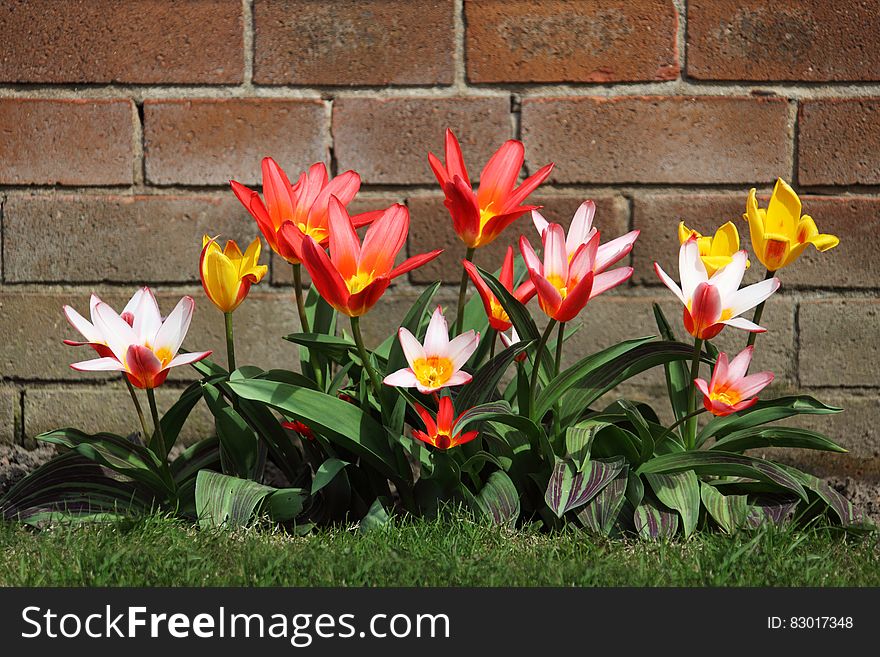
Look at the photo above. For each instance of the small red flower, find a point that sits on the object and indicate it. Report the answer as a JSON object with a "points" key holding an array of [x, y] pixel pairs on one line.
{"points": [[439, 433], [300, 428]]}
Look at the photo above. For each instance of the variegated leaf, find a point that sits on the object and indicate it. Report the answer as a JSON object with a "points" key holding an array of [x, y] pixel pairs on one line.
{"points": [[679, 491], [600, 513], [777, 513], [729, 511], [499, 499], [654, 523], [569, 489]]}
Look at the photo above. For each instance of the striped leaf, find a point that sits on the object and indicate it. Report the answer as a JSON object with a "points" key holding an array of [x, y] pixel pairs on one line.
{"points": [[222, 500], [729, 511], [600, 513], [570, 488], [653, 523], [776, 437], [679, 491], [499, 499], [777, 513], [579, 439], [841, 506], [677, 376]]}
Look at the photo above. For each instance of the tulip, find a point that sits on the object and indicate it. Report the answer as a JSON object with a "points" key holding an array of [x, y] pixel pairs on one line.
{"points": [[730, 390], [581, 231], [145, 349], [510, 340], [566, 282], [710, 304], [226, 274], [498, 318], [780, 234], [478, 218], [439, 433], [436, 364], [290, 213], [354, 276], [300, 428], [716, 251]]}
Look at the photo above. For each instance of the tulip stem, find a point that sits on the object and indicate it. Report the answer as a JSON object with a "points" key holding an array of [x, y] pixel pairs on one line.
{"points": [[365, 357], [230, 342], [692, 398], [137, 407], [493, 336], [556, 367], [300, 303], [462, 291], [533, 388], [759, 310], [686, 418], [158, 437]]}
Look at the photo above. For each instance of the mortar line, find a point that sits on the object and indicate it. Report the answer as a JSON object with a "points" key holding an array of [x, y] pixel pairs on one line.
{"points": [[140, 146], [247, 17], [797, 342], [459, 80], [330, 138], [795, 143], [681, 38], [21, 437], [2, 238]]}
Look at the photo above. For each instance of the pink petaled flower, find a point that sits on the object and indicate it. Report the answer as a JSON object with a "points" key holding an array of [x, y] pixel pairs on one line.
{"points": [[139, 343], [712, 303], [510, 340], [567, 281], [730, 390], [438, 363], [94, 338]]}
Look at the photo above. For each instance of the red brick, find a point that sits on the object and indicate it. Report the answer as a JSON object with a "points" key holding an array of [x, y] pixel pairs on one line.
{"points": [[370, 42], [855, 219], [431, 228], [208, 141], [571, 41], [839, 142], [137, 239], [388, 140], [145, 42], [652, 139], [66, 142], [813, 40], [838, 342]]}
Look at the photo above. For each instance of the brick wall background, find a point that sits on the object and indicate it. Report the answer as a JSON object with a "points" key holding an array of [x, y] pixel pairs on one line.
{"points": [[120, 124]]}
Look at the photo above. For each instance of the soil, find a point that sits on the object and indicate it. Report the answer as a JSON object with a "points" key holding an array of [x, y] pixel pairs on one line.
{"points": [[16, 462]]}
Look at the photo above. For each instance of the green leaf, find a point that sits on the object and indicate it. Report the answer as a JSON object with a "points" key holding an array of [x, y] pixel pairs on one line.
{"points": [[739, 441], [766, 410], [376, 518], [499, 499], [325, 473], [331, 346], [600, 513], [579, 439], [285, 504], [222, 500], [677, 375], [339, 421], [776, 512], [646, 439], [481, 388], [479, 413], [729, 511], [204, 454], [679, 491], [722, 464], [653, 523], [175, 417], [841, 506], [569, 488], [239, 445], [414, 321], [517, 312]]}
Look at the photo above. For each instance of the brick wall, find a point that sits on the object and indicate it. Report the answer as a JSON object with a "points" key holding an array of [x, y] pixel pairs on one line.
{"points": [[120, 124]]}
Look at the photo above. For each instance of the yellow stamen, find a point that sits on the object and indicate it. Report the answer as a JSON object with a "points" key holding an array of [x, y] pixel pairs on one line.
{"points": [[433, 371], [726, 314], [164, 355], [485, 215], [556, 281], [498, 311], [359, 281], [729, 397]]}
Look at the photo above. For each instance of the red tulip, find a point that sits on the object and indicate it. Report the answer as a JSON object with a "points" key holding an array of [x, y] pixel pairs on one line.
{"points": [[498, 319], [730, 390], [478, 218], [354, 276], [292, 212], [439, 433]]}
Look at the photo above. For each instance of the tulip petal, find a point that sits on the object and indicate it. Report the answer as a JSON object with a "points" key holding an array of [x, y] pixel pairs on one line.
{"points": [[454, 160], [445, 415], [345, 247], [752, 384], [81, 324], [548, 296], [459, 379], [277, 192], [671, 284], [414, 262], [744, 324], [117, 333], [579, 232], [142, 364], [749, 297], [486, 295], [541, 224], [186, 359], [496, 224], [739, 365], [325, 277], [609, 279], [529, 185], [691, 268], [575, 300], [437, 335], [412, 348], [555, 254], [727, 279], [614, 251], [705, 309], [702, 386], [720, 375], [174, 329], [505, 277], [725, 241], [425, 414], [533, 263], [460, 348], [366, 218], [499, 176], [462, 206], [384, 239], [783, 210], [106, 364]]}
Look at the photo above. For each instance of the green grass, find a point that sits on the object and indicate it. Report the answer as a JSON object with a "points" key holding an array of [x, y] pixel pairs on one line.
{"points": [[159, 552]]}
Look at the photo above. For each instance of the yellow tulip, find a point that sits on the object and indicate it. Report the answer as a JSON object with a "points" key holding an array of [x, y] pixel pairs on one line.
{"points": [[715, 251], [226, 274], [779, 233]]}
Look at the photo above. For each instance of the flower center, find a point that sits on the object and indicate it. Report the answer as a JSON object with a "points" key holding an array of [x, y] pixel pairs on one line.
{"points": [[433, 371], [317, 233], [359, 281], [443, 441], [486, 214], [557, 281], [729, 397], [497, 311], [164, 355]]}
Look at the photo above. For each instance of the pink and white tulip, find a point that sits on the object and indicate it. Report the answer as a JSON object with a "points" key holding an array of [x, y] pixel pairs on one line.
{"points": [[138, 342], [711, 303], [730, 390], [436, 364], [510, 340], [94, 338], [567, 281], [581, 231]]}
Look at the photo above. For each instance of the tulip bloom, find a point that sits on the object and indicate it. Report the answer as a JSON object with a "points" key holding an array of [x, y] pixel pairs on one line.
{"points": [[712, 303], [565, 283], [730, 390], [292, 212], [438, 363], [439, 433], [581, 231], [780, 234], [94, 337], [145, 349], [716, 251], [300, 428], [510, 340], [354, 276], [478, 218], [498, 318], [226, 274]]}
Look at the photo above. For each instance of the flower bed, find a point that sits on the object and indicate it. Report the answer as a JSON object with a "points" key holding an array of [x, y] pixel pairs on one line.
{"points": [[435, 416]]}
